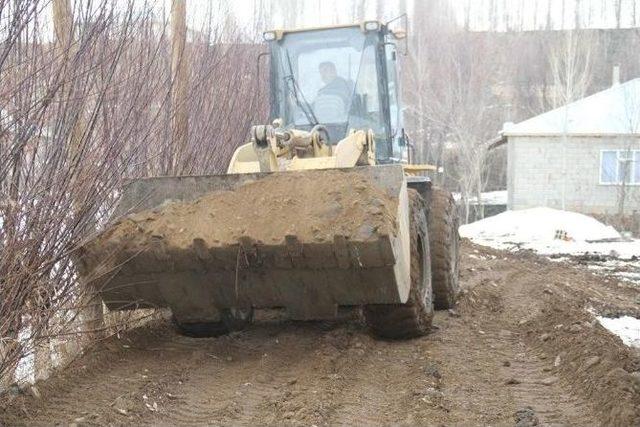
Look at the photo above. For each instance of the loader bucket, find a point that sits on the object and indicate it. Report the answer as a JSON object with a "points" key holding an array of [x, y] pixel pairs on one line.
{"points": [[307, 241]]}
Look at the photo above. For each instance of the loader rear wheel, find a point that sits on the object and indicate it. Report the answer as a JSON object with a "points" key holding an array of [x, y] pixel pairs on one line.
{"points": [[444, 242], [233, 319], [412, 319]]}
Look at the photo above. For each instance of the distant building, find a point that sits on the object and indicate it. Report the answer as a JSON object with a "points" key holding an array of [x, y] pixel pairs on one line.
{"points": [[582, 157]]}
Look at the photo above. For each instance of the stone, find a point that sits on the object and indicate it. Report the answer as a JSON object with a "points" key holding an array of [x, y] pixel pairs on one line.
{"points": [[549, 381], [512, 381], [428, 393], [558, 361], [33, 390], [545, 336], [433, 371], [593, 360], [15, 390], [575, 328], [526, 417], [635, 378]]}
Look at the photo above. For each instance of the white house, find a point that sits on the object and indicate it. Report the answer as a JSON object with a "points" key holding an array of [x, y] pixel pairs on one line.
{"points": [[583, 157]]}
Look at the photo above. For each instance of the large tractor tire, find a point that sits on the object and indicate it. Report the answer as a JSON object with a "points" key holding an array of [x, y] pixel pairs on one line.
{"points": [[230, 320], [444, 243], [412, 319]]}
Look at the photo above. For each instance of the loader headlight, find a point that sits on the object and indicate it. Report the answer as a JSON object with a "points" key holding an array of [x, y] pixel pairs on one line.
{"points": [[371, 26], [269, 36]]}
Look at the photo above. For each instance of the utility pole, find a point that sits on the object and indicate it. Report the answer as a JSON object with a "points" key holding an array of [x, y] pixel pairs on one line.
{"points": [[179, 85], [62, 24]]}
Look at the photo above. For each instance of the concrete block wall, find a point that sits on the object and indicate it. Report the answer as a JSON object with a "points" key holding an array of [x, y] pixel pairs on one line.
{"points": [[535, 173]]}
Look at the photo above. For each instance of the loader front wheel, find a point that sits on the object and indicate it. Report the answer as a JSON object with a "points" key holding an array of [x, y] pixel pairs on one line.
{"points": [[412, 319], [234, 319], [444, 242]]}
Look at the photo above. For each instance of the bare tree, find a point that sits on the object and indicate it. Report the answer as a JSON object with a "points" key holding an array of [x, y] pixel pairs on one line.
{"points": [[59, 170], [79, 116], [570, 63], [628, 157], [431, 30], [451, 104]]}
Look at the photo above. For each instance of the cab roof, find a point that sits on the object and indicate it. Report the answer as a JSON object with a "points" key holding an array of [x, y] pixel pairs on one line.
{"points": [[278, 34]]}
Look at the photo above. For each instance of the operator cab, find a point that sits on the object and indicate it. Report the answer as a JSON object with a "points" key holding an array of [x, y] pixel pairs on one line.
{"points": [[342, 78]]}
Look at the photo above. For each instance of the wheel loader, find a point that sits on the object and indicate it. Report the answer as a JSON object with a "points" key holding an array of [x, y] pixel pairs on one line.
{"points": [[275, 231]]}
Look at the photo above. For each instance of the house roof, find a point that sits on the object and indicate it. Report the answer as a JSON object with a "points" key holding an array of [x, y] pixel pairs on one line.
{"points": [[614, 111]]}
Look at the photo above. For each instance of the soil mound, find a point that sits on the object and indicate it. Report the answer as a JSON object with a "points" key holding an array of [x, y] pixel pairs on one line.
{"points": [[312, 207]]}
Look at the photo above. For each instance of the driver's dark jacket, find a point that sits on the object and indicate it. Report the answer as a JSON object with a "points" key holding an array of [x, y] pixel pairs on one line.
{"points": [[338, 87]]}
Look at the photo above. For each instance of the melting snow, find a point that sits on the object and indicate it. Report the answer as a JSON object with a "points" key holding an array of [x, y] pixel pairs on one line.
{"points": [[551, 232], [626, 327]]}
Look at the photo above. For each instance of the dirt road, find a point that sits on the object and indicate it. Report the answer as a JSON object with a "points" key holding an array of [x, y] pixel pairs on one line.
{"points": [[520, 349]]}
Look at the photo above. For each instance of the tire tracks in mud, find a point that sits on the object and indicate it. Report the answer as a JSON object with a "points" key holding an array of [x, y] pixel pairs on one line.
{"points": [[479, 366], [375, 391], [231, 384], [499, 304]]}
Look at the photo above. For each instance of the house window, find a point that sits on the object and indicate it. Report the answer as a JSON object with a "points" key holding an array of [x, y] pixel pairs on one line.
{"points": [[618, 166]]}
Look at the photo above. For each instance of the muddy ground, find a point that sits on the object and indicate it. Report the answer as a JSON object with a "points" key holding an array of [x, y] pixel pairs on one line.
{"points": [[519, 350]]}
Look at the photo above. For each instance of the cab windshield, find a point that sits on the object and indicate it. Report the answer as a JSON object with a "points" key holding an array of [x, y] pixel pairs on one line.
{"points": [[329, 78]]}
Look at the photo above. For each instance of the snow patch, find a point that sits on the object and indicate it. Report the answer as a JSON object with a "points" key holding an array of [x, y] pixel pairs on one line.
{"points": [[551, 232], [488, 198], [626, 327]]}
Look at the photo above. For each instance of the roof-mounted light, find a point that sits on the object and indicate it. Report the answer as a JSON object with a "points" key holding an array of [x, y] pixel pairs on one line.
{"points": [[372, 26], [269, 36], [399, 34]]}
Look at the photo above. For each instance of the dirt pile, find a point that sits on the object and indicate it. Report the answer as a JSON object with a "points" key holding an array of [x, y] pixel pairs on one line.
{"points": [[310, 207]]}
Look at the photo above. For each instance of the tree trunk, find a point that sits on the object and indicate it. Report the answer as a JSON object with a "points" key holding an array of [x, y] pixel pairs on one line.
{"points": [[622, 195], [180, 86], [480, 203], [10, 350], [42, 359], [92, 313]]}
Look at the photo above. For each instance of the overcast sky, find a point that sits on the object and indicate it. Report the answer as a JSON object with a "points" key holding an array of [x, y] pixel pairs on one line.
{"points": [[531, 13], [526, 14]]}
